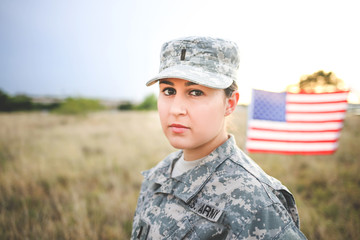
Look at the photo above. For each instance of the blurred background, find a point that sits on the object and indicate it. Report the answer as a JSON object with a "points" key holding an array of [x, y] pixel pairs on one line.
{"points": [[109, 49], [74, 135]]}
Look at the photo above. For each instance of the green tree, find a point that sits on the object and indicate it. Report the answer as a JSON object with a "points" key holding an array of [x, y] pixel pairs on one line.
{"points": [[4, 98], [149, 103], [78, 106], [126, 106], [320, 81], [19, 102]]}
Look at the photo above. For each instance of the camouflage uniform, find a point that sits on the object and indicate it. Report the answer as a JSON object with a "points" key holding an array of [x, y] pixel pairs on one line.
{"points": [[227, 196]]}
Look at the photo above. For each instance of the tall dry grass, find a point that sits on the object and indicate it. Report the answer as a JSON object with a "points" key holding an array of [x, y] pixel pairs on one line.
{"points": [[64, 177], [67, 177]]}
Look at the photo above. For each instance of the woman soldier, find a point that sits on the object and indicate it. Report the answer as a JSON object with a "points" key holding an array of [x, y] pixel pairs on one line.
{"points": [[209, 189]]}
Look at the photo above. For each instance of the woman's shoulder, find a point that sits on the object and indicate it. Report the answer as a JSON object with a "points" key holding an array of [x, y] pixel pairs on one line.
{"points": [[247, 188], [239, 176], [163, 165], [240, 163]]}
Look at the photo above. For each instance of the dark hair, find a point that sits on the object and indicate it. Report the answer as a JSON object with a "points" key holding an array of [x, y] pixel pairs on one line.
{"points": [[229, 91]]}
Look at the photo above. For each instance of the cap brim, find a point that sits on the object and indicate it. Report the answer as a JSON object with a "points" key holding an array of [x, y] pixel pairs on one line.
{"points": [[195, 75]]}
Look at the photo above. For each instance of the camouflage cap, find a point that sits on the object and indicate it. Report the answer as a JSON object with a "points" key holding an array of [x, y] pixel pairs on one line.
{"points": [[210, 62]]}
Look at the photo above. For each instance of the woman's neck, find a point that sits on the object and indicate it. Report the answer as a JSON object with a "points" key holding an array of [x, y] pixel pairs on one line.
{"points": [[205, 149]]}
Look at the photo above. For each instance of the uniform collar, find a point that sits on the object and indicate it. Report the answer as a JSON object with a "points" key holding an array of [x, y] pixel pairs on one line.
{"points": [[187, 185]]}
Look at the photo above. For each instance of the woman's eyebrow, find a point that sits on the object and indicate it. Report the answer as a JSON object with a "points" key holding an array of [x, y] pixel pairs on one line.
{"points": [[166, 82], [187, 84]]}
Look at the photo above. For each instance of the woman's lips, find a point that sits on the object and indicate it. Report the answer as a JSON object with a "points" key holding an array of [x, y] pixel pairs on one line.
{"points": [[178, 128]]}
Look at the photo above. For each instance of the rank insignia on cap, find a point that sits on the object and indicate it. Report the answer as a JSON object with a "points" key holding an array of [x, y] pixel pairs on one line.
{"points": [[183, 52]]}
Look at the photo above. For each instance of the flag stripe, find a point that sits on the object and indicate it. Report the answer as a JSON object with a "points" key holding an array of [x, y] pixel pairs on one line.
{"points": [[294, 141], [302, 131], [292, 152], [309, 124], [293, 136], [314, 117], [309, 102], [317, 97], [339, 111], [318, 121], [292, 146], [286, 126], [324, 107]]}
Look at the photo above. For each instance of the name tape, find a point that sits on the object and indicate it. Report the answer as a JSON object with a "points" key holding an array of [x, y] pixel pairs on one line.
{"points": [[205, 210]]}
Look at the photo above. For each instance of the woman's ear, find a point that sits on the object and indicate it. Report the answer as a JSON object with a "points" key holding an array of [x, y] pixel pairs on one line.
{"points": [[231, 103]]}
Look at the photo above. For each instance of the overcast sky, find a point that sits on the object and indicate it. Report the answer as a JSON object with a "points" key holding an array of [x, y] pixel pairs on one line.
{"points": [[110, 48]]}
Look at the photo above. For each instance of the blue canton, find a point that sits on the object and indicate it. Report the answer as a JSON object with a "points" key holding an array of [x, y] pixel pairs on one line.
{"points": [[269, 106]]}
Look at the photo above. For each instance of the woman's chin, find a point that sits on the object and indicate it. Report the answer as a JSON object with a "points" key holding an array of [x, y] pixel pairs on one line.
{"points": [[178, 143]]}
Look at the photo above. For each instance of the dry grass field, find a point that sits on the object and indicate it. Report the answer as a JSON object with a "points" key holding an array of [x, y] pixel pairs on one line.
{"points": [[71, 177]]}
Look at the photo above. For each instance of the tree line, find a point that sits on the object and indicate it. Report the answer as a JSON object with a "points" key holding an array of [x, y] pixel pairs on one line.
{"points": [[319, 81], [22, 102], [70, 105]]}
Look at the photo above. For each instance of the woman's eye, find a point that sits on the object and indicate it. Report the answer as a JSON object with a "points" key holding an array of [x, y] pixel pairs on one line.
{"points": [[196, 93], [169, 91]]}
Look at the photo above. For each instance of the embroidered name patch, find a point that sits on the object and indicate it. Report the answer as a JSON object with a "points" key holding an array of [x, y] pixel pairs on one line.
{"points": [[205, 210]]}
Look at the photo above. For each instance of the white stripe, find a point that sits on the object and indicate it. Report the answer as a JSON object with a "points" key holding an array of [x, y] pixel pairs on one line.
{"points": [[314, 116], [316, 107], [278, 146], [329, 97], [295, 126], [292, 136]]}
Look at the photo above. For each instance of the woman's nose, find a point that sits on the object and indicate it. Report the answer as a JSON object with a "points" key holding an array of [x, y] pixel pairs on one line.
{"points": [[178, 106]]}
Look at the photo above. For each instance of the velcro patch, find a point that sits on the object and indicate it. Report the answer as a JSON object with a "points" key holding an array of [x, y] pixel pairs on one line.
{"points": [[205, 210]]}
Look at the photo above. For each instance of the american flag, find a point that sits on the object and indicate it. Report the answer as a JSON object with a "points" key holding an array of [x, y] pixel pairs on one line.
{"points": [[295, 123]]}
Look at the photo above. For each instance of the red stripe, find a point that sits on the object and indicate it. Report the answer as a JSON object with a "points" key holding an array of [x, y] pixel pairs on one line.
{"points": [[296, 131], [293, 141], [317, 102], [320, 121], [337, 111], [290, 152], [313, 93]]}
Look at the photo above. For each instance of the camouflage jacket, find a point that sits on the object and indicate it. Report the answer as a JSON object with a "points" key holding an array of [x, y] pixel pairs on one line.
{"points": [[227, 196]]}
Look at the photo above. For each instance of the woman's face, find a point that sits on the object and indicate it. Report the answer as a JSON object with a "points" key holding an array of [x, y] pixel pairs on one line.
{"points": [[192, 116]]}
